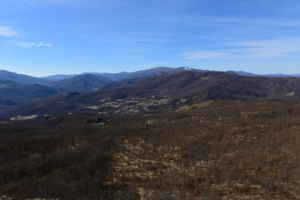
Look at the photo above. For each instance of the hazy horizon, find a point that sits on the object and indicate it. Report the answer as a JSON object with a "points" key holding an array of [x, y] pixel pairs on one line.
{"points": [[149, 68]]}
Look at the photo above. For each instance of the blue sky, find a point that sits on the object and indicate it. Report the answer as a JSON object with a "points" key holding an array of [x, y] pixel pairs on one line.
{"points": [[42, 37]]}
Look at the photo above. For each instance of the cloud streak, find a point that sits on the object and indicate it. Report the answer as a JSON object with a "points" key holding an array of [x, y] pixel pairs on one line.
{"points": [[268, 49], [204, 55], [272, 48], [49, 2], [33, 44], [6, 31]]}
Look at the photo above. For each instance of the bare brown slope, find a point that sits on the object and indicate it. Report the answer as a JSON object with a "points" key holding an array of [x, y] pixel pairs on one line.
{"points": [[223, 150]]}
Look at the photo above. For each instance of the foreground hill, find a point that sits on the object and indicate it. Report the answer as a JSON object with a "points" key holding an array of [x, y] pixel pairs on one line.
{"points": [[208, 150]]}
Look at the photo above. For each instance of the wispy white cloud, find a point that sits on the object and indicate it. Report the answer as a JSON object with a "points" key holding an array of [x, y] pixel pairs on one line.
{"points": [[33, 44], [279, 23], [204, 55], [267, 49], [9, 32], [49, 2], [272, 48], [226, 21], [6, 31]]}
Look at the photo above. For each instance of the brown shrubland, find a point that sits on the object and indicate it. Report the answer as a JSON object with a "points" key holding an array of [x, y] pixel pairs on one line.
{"points": [[220, 150]]}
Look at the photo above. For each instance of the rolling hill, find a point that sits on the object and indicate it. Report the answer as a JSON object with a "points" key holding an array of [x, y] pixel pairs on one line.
{"points": [[58, 77], [82, 83], [209, 85], [12, 93], [21, 78]]}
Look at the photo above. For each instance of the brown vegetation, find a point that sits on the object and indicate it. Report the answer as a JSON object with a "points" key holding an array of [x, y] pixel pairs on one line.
{"points": [[216, 150]]}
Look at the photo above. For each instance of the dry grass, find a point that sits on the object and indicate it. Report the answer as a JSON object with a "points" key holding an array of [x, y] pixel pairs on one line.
{"points": [[223, 150], [240, 151]]}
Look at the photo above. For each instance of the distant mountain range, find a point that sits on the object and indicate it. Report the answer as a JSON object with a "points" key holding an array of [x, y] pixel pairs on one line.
{"points": [[58, 77], [21, 78], [185, 84], [241, 73], [12, 93], [82, 83], [16, 89], [71, 92], [113, 77]]}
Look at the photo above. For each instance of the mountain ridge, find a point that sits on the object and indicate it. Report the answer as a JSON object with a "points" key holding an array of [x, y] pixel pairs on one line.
{"points": [[26, 79], [170, 88], [89, 88]]}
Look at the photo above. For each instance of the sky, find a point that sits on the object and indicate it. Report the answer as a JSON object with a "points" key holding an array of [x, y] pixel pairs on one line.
{"points": [[43, 37]]}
